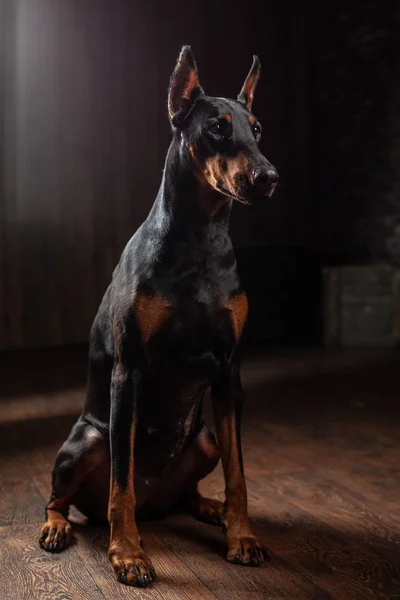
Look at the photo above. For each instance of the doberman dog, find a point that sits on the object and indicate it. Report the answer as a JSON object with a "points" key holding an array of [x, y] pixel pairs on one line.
{"points": [[169, 328]]}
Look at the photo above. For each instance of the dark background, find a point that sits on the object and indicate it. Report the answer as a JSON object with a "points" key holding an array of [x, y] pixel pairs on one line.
{"points": [[83, 137], [84, 133]]}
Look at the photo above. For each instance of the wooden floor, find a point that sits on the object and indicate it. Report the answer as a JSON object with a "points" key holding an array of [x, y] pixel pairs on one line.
{"points": [[322, 458]]}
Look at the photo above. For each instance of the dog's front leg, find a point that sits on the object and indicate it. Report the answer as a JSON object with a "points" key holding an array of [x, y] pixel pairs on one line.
{"points": [[131, 564], [227, 397]]}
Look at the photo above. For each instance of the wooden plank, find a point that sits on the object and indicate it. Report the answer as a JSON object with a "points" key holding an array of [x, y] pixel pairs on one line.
{"points": [[202, 548], [28, 572], [323, 496], [20, 501], [322, 550], [352, 530], [26, 568], [287, 531], [344, 511], [347, 460], [334, 561]]}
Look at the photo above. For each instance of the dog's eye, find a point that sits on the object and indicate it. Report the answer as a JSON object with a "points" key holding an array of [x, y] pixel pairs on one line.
{"points": [[257, 130], [220, 129], [216, 128]]}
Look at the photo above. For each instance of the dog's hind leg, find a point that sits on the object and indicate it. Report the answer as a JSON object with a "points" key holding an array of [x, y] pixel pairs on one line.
{"points": [[83, 452], [203, 457], [203, 509]]}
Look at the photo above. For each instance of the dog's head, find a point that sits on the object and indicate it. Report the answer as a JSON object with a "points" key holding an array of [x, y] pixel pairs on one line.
{"points": [[219, 135]]}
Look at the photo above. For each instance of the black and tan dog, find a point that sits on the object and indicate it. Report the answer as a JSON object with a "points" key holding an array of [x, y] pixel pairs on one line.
{"points": [[168, 328]]}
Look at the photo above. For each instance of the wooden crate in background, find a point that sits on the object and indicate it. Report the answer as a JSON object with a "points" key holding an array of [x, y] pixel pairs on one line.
{"points": [[361, 306]]}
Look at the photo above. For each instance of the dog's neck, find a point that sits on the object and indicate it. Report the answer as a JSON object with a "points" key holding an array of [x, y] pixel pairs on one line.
{"points": [[181, 233], [187, 203]]}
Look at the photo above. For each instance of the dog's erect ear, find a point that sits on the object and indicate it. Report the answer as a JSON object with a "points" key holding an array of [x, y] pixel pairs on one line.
{"points": [[247, 92], [184, 87]]}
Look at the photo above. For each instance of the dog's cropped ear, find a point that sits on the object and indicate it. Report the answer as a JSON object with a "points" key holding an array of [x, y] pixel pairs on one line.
{"points": [[184, 87], [247, 92]]}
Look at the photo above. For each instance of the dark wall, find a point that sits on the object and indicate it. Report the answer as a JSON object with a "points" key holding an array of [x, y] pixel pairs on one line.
{"points": [[85, 132], [356, 106]]}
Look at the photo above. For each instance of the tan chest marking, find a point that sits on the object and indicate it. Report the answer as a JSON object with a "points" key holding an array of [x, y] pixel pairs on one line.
{"points": [[238, 307], [151, 312]]}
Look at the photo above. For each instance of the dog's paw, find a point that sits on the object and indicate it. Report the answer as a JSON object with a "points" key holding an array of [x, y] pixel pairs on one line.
{"points": [[246, 551], [55, 535], [131, 564]]}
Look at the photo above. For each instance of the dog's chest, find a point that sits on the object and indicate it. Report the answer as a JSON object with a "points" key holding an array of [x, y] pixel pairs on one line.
{"points": [[187, 338], [191, 327]]}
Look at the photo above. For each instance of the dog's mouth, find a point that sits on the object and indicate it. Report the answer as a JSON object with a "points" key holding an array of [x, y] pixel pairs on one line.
{"points": [[271, 191], [235, 196], [248, 201]]}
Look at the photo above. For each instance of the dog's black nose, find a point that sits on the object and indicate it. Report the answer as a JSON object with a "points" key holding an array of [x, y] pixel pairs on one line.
{"points": [[264, 179]]}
